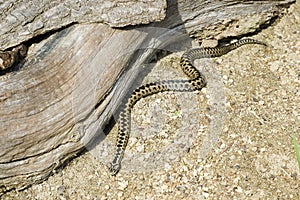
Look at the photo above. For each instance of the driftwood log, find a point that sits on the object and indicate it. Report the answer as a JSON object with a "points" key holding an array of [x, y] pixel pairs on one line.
{"points": [[64, 93]]}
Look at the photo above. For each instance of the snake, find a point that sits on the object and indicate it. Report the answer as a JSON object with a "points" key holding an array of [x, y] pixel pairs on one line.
{"points": [[195, 82]]}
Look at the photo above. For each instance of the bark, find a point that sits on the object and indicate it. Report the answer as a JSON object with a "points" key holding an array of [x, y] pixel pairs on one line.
{"points": [[65, 92], [22, 20]]}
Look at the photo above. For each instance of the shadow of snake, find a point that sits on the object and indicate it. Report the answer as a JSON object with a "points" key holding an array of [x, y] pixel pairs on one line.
{"points": [[196, 82]]}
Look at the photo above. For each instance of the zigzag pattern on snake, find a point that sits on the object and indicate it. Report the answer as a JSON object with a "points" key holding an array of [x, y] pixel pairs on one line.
{"points": [[197, 82]]}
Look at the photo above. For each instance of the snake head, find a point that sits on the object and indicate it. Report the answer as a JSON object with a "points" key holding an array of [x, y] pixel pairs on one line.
{"points": [[114, 168]]}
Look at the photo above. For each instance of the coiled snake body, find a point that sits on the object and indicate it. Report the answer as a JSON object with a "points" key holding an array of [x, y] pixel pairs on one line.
{"points": [[197, 82]]}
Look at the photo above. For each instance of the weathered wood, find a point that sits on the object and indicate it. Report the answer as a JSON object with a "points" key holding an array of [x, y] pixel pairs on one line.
{"points": [[44, 117], [72, 82], [22, 20]]}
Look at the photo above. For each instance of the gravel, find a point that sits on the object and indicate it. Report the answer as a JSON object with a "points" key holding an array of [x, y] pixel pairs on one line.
{"points": [[233, 140]]}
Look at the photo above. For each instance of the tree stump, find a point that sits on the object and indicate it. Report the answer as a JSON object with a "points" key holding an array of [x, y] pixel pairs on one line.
{"points": [[62, 96]]}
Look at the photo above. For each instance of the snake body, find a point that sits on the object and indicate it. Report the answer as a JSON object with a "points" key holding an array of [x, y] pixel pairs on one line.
{"points": [[196, 82]]}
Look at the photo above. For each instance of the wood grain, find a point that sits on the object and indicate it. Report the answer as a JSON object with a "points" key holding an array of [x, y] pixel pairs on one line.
{"points": [[72, 82], [23, 20]]}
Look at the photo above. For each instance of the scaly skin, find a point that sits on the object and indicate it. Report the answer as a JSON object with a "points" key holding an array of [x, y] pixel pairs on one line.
{"points": [[197, 82]]}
